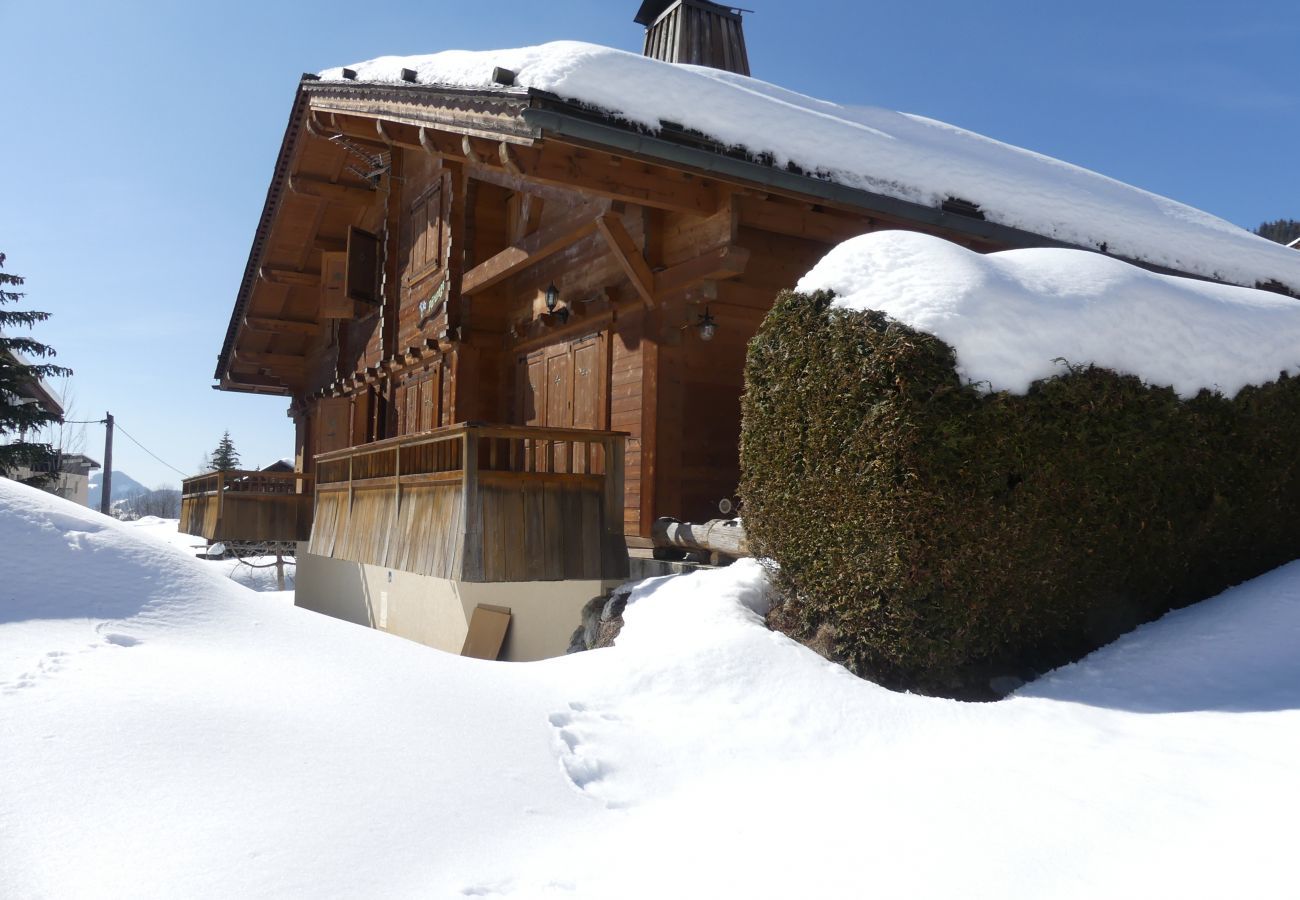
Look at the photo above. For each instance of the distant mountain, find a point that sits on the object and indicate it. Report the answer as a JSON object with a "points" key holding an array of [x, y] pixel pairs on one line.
{"points": [[124, 486]]}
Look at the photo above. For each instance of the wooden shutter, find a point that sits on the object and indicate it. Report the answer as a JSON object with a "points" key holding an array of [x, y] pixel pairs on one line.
{"points": [[333, 424], [333, 278], [411, 425], [363, 267]]}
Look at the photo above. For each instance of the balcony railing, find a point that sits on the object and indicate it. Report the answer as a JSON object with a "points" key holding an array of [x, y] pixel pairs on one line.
{"points": [[247, 506], [479, 503]]}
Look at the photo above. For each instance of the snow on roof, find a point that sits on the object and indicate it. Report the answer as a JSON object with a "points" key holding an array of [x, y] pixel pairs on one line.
{"points": [[904, 156], [1009, 315]]}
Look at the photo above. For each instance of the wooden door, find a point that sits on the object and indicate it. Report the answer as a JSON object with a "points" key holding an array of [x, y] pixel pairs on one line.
{"points": [[559, 402], [588, 389]]}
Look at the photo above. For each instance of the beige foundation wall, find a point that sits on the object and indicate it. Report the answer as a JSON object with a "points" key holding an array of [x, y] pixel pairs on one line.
{"points": [[436, 612]]}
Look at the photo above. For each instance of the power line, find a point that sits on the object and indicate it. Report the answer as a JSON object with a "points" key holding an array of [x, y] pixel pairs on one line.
{"points": [[150, 452]]}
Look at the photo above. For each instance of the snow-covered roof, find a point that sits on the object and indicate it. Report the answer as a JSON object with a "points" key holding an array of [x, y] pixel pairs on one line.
{"points": [[1011, 315], [1295, 243], [899, 155]]}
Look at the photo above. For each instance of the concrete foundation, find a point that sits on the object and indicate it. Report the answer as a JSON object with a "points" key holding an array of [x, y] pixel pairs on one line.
{"points": [[436, 611]]}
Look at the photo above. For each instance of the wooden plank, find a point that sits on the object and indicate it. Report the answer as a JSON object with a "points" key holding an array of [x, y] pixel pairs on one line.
{"points": [[553, 533], [272, 275], [487, 632], [355, 192], [718, 264], [270, 360], [574, 226], [269, 325], [797, 220], [534, 533], [628, 256], [600, 173]]}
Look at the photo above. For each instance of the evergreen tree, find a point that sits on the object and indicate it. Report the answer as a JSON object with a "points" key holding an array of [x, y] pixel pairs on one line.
{"points": [[1284, 231], [225, 458], [19, 416]]}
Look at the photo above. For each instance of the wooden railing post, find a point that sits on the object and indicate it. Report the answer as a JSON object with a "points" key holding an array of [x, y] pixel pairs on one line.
{"points": [[221, 499], [614, 562], [471, 561]]}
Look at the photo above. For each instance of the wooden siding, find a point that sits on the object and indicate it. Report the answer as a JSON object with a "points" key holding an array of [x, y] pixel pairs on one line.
{"points": [[478, 503]]}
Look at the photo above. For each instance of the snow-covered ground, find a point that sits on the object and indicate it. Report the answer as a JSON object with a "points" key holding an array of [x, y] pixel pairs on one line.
{"points": [[254, 572], [165, 732], [1012, 315], [892, 153]]}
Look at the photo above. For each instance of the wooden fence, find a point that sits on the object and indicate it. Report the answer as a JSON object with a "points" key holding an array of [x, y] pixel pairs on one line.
{"points": [[480, 503]]}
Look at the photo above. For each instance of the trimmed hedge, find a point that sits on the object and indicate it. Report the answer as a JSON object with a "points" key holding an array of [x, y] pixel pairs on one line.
{"points": [[930, 534]]}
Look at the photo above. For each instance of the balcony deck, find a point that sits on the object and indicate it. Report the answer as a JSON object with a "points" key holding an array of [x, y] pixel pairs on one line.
{"points": [[250, 507], [477, 503]]}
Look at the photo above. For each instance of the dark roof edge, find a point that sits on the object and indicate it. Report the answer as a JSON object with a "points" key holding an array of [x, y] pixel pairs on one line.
{"points": [[564, 120], [274, 192]]}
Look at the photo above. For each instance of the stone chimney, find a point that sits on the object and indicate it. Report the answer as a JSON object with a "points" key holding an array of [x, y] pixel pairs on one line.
{"points": [[696, 32]]}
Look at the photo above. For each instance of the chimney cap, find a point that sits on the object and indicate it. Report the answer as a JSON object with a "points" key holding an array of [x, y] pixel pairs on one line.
{"points": [[651, 10]]}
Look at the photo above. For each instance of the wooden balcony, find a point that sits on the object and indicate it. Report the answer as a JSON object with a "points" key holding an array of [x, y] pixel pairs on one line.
{"points": [[247, 506], [478, 503]]}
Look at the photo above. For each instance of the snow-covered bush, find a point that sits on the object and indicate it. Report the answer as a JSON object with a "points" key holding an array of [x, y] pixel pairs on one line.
{"points": [[931, 532]]}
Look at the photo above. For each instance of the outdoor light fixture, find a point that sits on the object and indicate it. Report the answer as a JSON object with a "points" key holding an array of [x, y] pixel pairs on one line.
{"points": [[553, 301], [708, 325]]}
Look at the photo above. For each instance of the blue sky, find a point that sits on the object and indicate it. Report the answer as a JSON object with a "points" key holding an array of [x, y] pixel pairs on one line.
{"points": [[139, 139]]}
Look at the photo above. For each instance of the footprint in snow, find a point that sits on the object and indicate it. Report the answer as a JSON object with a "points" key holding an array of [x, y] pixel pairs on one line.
{"points": [[574, 730]]}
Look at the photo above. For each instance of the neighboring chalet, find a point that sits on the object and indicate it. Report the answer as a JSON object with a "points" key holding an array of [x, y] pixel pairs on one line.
{"points": [[511, 321]]}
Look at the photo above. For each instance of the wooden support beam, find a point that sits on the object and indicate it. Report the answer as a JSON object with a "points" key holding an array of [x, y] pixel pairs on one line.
{"points": [[339, 191], [533, 249], [441, 145], [468, 151], [629, 256], [270, 325], [281, 361], [727, 261], [798, 220], [289, 276], [595, 172]]}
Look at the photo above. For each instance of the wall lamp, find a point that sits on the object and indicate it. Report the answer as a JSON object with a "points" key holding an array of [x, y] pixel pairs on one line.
{"points": [[707, 324], [553, 301]]}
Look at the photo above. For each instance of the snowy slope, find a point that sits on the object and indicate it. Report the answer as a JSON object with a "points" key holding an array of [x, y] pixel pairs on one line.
{"points": [[905, 156], [166, 733], [1011, 315]]}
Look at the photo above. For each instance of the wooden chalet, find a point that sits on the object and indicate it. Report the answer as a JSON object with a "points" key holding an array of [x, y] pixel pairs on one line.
{"points": [[512, 329]]}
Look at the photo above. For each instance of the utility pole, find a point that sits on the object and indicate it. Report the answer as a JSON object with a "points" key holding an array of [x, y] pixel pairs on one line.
{"points": [[106, 494]]}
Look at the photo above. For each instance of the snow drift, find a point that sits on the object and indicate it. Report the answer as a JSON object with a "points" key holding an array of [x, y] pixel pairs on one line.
{"points": [[166, 733], [1011, 315], [899, 155]]}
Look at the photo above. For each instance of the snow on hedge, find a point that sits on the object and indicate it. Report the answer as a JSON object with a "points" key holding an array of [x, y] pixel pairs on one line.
{"points": [[1011, 315], [166, 733], [900, 155]]}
